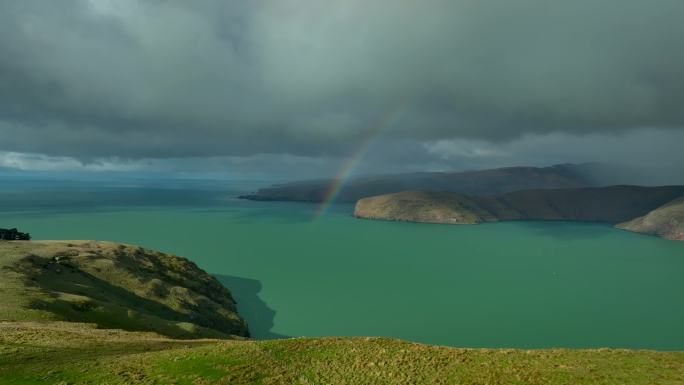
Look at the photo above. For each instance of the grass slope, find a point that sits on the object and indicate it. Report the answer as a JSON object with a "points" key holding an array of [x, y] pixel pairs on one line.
{"points": [[113, 286], [68, 353], [108, 286]]}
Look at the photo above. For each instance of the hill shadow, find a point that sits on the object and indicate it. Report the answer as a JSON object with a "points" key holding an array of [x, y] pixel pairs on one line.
{"points": [[251, 307]]}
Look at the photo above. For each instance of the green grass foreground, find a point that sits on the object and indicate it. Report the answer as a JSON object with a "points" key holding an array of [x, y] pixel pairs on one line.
{"points": [[70, 353]]}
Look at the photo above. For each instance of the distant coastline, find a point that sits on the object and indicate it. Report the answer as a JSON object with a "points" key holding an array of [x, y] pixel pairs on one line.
{"points": [[479, 182], [650, 210]]}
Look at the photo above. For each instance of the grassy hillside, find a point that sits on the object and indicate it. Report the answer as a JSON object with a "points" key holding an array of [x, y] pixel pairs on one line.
{"points": [[63, 353], [108, 287], [113, 286]]}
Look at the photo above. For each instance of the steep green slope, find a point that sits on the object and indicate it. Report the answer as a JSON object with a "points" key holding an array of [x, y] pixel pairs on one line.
{"points": [[59, 353], [113, 286]]}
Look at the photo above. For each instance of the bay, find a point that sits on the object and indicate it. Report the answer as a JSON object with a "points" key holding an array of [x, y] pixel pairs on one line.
{"points": [[515, 284]]}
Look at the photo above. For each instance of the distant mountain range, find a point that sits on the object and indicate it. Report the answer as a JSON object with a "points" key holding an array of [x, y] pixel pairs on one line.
{"points": [[483, 182], [564, 192]]}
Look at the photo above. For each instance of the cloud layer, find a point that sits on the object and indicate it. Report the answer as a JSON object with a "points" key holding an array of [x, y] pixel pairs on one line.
{"points": [[168, 79]]}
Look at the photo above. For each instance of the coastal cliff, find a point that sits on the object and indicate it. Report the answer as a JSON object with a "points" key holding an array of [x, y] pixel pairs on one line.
{"points": [[114, 286], [615, 204]]}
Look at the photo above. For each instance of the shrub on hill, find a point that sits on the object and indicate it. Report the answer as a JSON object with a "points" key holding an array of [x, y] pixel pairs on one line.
{"points": [[14, 235]]}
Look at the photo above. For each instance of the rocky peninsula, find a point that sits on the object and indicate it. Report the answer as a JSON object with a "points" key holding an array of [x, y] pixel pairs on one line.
{"points": [[653, 210], [666, 221]]}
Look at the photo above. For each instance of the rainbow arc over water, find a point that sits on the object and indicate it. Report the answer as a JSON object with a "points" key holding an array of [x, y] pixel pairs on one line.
{"points": [[348, 167]]}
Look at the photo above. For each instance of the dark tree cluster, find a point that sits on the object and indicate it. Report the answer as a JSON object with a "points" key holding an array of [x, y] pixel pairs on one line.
{"points": [[13, 235]]}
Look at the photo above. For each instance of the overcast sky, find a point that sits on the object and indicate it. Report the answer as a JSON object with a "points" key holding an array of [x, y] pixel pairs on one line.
{"points": [[293, 88]]}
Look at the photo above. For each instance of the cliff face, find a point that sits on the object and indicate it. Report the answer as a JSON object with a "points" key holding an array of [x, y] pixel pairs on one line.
{"points": [[113, 286], [613, 204], [484, 182], [666, 221]]}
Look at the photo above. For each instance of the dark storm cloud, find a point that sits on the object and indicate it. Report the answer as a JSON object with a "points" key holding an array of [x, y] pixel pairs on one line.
{"points": [[145, 79]]}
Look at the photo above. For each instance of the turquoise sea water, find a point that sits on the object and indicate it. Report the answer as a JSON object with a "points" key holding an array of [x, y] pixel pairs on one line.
{"points": [[516, 284]]}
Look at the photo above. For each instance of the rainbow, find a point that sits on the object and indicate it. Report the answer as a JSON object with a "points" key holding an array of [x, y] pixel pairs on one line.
{"points": [[350, 164]]}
